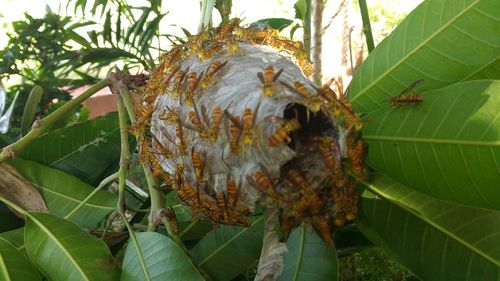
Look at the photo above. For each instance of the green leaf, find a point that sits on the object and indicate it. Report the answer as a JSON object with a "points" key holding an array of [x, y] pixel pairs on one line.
{"points": [[490, 71], [300, 9], [78, 39], [436, 240], [274, 23], [447, 147], [106, 33], [308, 258], [63, 251], [30, 109], [84, 150], [14, 265], [63, 192], [15, 237], [100, 55], [441, 41], [153, 256], [227, 251]]}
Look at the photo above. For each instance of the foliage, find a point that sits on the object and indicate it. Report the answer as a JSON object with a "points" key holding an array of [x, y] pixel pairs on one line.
{"points": [[372, 265], [40, 52], [431, 203]]}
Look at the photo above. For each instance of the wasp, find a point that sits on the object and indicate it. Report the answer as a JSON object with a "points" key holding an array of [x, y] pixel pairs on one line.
{"points": [[215, 67], [170, 115], [295, 177], [226, 29], [209, 49], [267, 79], [350, 201], [282, 134], [220, 198], [192, 82], [292, 47], [214, 123], [170, 74], [198, 125], [264, 183], [322, 228], [198, 164], [248, 127], [234, 131], [357, 153], [402, 99], [233, 192], [313, 102], [182, 146], [172, 56], [328, 149], [162, 149], [178, 82], [301, 206], [188, 193]]}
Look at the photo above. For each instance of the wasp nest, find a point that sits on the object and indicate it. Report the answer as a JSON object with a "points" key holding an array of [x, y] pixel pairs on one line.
{"points": [[229, 119]]}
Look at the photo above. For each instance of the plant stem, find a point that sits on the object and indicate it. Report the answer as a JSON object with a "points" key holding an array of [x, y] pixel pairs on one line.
{"points": [[317, 39], [124, 155], [367, 29], [44, 124], [307, 29], [157, 201]]}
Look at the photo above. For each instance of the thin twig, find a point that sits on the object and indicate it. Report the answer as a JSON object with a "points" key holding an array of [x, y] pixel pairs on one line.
{"points": [[124, 155], [103, 183]]}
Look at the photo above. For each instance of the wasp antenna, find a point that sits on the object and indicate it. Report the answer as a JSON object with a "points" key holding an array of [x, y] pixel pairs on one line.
{"points": [[277, 74]]}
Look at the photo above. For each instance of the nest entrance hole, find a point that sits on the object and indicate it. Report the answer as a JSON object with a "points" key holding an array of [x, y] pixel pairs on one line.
{"points": [[311, 124]]}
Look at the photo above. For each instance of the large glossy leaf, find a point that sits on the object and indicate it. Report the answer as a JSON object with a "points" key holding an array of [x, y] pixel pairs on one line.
{"points": [[308, 258], [84, 150], [63, 251], [14, 265], [448, 146], [441, 41], [63, 192], [152, 256], [227, 251], [437, 240]]}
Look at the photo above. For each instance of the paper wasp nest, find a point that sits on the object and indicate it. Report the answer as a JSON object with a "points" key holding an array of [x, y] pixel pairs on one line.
{"points": [[230, 119]]}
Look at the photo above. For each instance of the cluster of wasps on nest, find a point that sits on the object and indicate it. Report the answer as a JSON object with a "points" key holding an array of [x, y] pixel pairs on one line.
{"points": [[292, 145]]}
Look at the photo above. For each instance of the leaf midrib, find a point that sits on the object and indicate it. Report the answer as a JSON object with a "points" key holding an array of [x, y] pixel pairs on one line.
{"points": [[229, 241], [61, 246], [431, 140], [416, 213], [140, 256], [421, 45]]}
